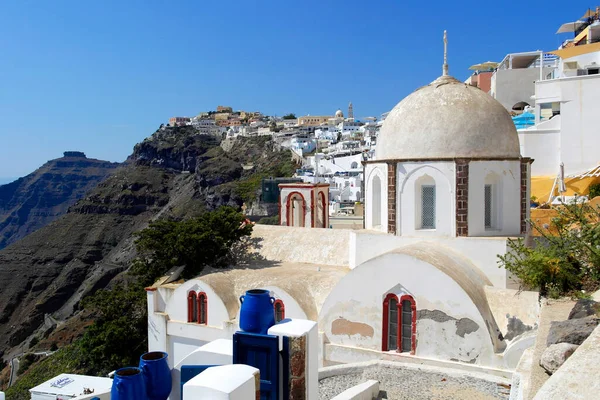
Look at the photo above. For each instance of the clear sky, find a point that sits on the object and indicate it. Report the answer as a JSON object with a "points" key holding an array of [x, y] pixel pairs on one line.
{"points": [[100, 76]]}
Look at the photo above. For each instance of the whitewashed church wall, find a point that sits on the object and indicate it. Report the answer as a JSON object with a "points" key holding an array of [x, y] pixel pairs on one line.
{"points": [[482, 252], [379, 171], [505, 177], [177, 307], [544, 148], [282, 243], [408, 213], [157, 323], [449, 325]]}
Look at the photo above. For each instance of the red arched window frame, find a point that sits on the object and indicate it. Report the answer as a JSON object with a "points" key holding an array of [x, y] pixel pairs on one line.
{"points": [[289, 211], [386, 321], [202, 309], [192, 306], [276, 304], [413, 324]]}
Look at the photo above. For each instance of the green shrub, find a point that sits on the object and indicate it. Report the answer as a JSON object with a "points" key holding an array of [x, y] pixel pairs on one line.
{"points": [[274, 220], [594, 190], [563, 263]]}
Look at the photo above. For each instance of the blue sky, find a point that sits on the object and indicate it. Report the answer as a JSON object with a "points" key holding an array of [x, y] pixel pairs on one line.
{"points": [[101, 76]]}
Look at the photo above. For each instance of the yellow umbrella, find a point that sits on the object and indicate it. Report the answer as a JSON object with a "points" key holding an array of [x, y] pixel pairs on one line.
{"points": [[485, 65]]}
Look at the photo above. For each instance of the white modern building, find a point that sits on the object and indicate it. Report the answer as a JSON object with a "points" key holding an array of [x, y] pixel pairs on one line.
{"points": [[566, 108]]}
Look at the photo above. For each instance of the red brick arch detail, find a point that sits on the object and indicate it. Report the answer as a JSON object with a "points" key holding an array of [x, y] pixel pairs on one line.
{"points": [[202, 303], [413, 322], [192, 298], [386, 316], [289, 214], [322, 200]]}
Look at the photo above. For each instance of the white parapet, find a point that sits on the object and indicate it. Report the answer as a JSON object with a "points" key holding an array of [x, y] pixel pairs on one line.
{"points": [[217, 352], [304, 354], [226, 382], [368, 390]]}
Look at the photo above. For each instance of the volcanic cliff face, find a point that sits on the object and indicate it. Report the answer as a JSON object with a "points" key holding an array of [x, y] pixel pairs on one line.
{"points": [[31, 202], [174, 173]]}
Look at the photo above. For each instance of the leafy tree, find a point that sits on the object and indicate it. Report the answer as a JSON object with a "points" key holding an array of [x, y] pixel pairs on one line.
{"points": [[119, 335], [289, 116], [194, 243], [565, 259]]}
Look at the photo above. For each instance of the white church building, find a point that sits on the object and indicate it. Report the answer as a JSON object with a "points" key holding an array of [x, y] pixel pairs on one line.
{"points": [[421, 283]]}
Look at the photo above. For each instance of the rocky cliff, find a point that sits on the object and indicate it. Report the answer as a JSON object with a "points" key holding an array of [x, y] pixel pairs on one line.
{"points": [[174, 173], [35, 200]]}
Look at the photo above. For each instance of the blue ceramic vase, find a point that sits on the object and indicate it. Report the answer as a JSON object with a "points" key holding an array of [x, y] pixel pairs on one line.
{"points": [[128, 384], [256, 313], [157, 375]]}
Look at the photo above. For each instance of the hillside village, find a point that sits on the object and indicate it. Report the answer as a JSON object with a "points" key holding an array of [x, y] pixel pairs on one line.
{"points": [[391, 271]]}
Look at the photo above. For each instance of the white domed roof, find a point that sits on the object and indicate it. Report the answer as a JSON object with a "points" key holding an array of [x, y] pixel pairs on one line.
{"points": [[339, 114], [448, 119]]}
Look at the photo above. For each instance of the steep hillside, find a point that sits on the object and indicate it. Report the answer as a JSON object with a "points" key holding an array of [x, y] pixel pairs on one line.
{"points": [[175, 173], [33, 201]]}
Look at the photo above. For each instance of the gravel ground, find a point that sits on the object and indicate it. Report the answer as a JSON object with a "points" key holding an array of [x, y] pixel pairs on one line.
{"points": [[399, 383]]}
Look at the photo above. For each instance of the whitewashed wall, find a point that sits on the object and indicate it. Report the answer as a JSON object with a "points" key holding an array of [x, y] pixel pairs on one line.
{"points": [[579, 141], [352, 315], [380, 171], [408, 203], [506, 178], [544, 147]]}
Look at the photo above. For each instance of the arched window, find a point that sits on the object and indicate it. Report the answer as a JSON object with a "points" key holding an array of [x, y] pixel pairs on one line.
{"points": [[390, 323], [408, 324], [192, 307], [202, 308], [376, 202], [425, 203], [399, 324], [354, 165], [491, 202], [279, 309]]}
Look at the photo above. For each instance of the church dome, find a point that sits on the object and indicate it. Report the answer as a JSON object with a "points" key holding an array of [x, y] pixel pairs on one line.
{"points": [[339, 114], [448, 119]]}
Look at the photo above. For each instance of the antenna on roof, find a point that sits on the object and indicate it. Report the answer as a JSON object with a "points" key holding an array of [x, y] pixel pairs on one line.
{"points": [[445, 67]]}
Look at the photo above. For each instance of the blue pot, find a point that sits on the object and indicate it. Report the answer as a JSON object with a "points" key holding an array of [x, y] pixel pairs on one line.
{"points": [[157, 375], [256, 313], [128, 384]]}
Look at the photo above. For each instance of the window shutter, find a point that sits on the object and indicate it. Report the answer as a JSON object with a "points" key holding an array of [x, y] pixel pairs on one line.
{"points": [[488, 205], [428, 207]]}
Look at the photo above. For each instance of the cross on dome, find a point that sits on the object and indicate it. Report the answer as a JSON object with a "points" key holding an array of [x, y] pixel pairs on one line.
{"points": [[445, 67]]}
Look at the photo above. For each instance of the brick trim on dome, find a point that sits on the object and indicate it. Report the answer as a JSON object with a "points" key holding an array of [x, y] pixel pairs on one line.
{"points": [[392, 198], [524, 179], [462, 197]]}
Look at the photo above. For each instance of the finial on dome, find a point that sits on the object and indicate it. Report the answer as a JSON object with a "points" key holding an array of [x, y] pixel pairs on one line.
{"points": [[445, 67]]}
